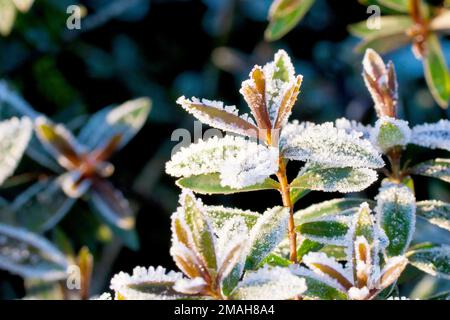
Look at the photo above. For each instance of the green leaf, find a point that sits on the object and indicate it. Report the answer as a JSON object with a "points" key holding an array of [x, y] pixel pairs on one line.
{"points": [[435, 212], [396, 211], [318, 178], [437, 168], [297, 194], [337, 252], [210, 184], [441, 296], [328, 209], [397, 5], [308, 246], [275, 260], [219, 215], [124, 120], [384, 43], [7, 16], [23, 5], [390, 25], [41, 206], [267, 233], [14, 137], [436, 72], [332, 232], [201, 232], [432, 259], [283, 20], [30, 255], [316, 288]]}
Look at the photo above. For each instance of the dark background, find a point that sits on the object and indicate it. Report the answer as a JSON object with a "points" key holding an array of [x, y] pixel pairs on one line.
{"points": [[166, 48]]}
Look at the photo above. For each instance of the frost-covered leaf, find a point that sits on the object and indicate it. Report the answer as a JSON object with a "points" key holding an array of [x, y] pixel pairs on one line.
{"points": [[307, 246], [326, 145], [202, 234], [396, 214], [210, 184], [284, 16], [124, 120], [330, 270], [436, 212], [330, 208], [352, 125], [30, 255], [14, 137], [266, 234], [329, 232], [217, 115], [437, 168], [432, 135], [319, 288], [111, 205], [269, 284], [219, 215], [431, 259], [241, 163], [319, 178], [41, 206], [381, 81], [7, 16], [146, 284], [281, 88], [389, 132], [436, 71]]}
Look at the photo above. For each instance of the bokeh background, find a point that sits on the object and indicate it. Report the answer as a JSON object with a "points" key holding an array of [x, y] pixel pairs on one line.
{"points": [[205, 48]]}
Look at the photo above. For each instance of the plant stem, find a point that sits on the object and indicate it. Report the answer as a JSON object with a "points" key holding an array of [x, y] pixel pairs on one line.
{"points": [[286, 196], [394, 156], [416, 15]]}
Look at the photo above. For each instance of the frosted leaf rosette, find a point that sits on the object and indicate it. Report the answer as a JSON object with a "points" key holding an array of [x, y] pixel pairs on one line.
{"points": [[367, 270], [217, 250], [265, 138]]}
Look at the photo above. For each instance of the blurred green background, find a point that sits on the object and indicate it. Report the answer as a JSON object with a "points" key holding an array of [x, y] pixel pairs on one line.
{"points": [[205, 48]]}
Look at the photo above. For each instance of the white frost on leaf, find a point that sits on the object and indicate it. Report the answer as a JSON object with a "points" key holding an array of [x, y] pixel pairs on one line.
{"points": [[270, 284], [352, 125], [390, 132], [250, 167], [14, 137], [190, 286], [277, 86], [240, 162], [123, 283], [358, 293], [326, 145], [432, 135]]}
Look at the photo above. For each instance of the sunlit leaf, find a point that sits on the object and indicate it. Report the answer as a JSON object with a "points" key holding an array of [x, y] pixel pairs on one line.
{"points": [[23, 5], [384, 43], [266, 234], [7, 16], [432, 135], [124, 120], [316, 177], [441, 23], [330, 208], [30, 255], [269, 284], [284, 16], [436, 72], [14, 137], [436, 212], [398, 5], [431, 259], [437, 168], [210, 184], [396, 211], [389, 25], [202, 233], [219, 215]]}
